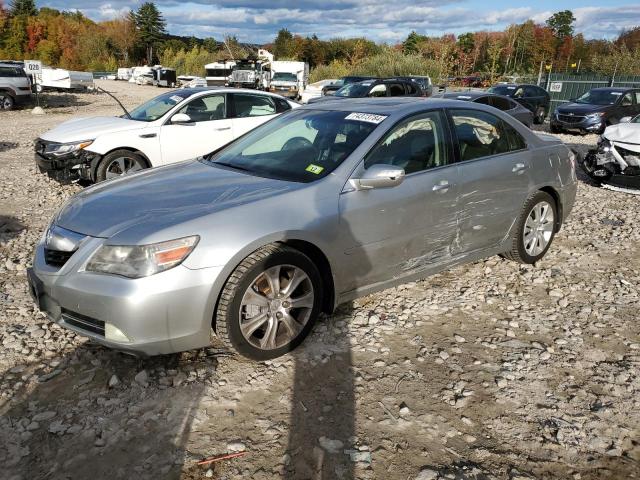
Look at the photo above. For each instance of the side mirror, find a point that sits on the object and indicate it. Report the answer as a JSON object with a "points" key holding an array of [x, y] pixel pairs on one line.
{"points": [[379, 176], [181, 119], [625, 119]]}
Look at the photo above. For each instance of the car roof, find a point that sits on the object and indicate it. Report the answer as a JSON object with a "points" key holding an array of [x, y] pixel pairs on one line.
{"points": [[612, 89], [196, 90], [470, 95], [383, 106]]}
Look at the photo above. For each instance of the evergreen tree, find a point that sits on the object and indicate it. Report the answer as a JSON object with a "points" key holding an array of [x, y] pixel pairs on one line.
{"points": [[23, 7], [562, 24], [150, 25], [284, 45]]}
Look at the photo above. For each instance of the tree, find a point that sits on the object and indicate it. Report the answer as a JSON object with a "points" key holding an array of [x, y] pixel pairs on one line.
{"points": [[562, 24], [410, 45], [23, 7], [150, 25], [284, 45]]}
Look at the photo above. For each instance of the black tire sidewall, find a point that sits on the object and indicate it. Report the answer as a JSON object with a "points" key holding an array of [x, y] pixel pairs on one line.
{"points": [[289, 257], [4, 96], [532, 202], [101, 169], [540, 115]]}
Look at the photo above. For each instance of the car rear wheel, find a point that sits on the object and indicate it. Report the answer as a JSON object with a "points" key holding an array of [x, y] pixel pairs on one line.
{"points": [[541, 114], [118, 163], [6, 101], [535, 229], [269, 303]]}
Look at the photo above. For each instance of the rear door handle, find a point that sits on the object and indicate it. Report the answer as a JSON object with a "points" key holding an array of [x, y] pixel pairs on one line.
{"points": [[147, 135], [222, 128], [442, 186], [519, 167]]}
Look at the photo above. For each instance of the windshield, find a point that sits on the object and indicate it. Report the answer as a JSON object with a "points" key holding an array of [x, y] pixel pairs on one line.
{"points": [[353, 90], [245, 66], [503, 90], [158, 106], [298, 146], [599, 97], [285, 77]]}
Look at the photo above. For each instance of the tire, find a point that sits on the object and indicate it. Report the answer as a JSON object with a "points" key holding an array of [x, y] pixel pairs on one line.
{"points": [[540, 115], [554, 129], [524, 249], [6, 101], [243, 284], [118, 163]]}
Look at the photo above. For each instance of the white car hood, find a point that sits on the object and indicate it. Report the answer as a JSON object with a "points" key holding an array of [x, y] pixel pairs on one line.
{"points": [[626, 133], [80, 129]]}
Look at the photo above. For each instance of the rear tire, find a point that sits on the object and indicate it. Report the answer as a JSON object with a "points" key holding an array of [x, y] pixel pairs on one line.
{"points": [[535, 229], [554, 129], [118, 163], [253, 320], [6, 101], [540, 115]]}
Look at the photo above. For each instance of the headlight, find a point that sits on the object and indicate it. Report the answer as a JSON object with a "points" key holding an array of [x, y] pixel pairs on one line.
{"points": [[136, 261], [594, 116], [59, 149], [292, 88]]}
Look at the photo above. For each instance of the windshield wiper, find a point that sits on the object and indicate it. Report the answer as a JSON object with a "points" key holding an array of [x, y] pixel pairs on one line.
{"points": [[230, 165]]}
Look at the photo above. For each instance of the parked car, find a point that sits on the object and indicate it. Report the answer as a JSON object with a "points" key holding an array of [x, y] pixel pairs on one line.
{"points": [[473, 81], [500, 102], [424, 82], [15, 85], [323, 204], [534, 98], [171, 127], [596, 110], [374, 88], [314, 90], [334, 87], [616, 159]]}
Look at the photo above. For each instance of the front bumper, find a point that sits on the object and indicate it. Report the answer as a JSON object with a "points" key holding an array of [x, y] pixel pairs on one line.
{"points": [[66, 168], [284, 92], [603, 167], [578, 124], [165, 313]]}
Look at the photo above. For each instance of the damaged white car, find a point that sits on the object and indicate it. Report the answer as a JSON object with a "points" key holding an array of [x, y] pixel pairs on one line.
{"points": [[616, 160]]}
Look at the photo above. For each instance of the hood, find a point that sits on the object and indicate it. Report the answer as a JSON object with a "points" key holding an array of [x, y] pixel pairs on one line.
{"points": [[626, 133], [137, 206], [582, 108], [89, 128]]}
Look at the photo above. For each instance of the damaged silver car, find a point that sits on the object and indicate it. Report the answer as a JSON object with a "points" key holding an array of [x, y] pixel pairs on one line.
{"points": [[324, 204], [616, 160]]}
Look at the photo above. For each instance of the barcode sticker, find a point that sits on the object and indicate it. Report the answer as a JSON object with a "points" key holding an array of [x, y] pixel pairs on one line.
{"points": [[365, 117]]}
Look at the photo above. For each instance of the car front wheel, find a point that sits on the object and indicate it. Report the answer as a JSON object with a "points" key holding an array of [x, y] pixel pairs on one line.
{"points": [[540, 116], [118, 163], [6, 101], [269, 303], [535, 229]]}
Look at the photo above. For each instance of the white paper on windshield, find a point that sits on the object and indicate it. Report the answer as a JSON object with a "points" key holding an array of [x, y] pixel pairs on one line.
{"points": [[464, 97], [176, 98], [365, 117], [616, 93]]}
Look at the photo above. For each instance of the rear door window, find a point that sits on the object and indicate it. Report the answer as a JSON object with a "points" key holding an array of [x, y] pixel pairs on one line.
{"points": [[500, 103], [479, 134], [249, 105]]}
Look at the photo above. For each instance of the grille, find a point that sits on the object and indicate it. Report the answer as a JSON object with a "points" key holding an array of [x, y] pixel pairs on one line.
{"points": [[56, 258], [570, 118], [83, 322]]}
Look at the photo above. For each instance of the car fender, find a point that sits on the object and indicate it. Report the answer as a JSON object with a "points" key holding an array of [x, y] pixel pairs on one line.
{"points": [[144, 140]]}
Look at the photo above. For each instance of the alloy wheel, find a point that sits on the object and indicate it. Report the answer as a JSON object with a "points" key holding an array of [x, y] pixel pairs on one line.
{"points": [[121, 166], [276, 307], [5, 102], [538, 228]]}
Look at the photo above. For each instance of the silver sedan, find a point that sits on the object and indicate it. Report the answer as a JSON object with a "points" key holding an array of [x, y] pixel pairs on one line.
{"points": [[317, 207]]}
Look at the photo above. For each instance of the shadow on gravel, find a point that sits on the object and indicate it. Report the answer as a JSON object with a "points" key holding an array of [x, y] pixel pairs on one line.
{"points": [[69, 417], [7, 146], [9, 227], [61, 100]]}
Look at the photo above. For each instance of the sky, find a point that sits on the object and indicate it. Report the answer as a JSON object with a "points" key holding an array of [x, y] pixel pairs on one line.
{"points": [[258, 21]]}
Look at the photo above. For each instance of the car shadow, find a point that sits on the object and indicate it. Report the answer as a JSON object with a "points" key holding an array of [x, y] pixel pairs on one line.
{"points": [[91, 412], [52, 100], [7, 146]]}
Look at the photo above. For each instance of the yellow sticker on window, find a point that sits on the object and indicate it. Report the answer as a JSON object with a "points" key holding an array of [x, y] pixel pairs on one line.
{"points": [[317, 169]]}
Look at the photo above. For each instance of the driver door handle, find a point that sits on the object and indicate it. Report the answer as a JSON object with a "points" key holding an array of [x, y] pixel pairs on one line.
{"points": [[442, 186], [222, 128]]}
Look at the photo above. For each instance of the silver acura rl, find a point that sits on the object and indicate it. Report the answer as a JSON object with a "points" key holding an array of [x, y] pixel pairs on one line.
{"points": [[319, 206]]}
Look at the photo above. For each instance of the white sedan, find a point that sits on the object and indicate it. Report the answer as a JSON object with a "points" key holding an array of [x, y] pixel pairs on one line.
{"points": [[175, 126], [314, 90]]}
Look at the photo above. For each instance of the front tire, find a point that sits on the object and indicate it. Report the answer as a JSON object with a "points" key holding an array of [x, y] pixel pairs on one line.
{"points": [[6, 101], [118, 163], [540, 115], [535, 229], [269, 303]]}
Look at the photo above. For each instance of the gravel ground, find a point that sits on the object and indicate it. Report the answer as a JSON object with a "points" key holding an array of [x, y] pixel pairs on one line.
{"points": [[489, 371]]}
